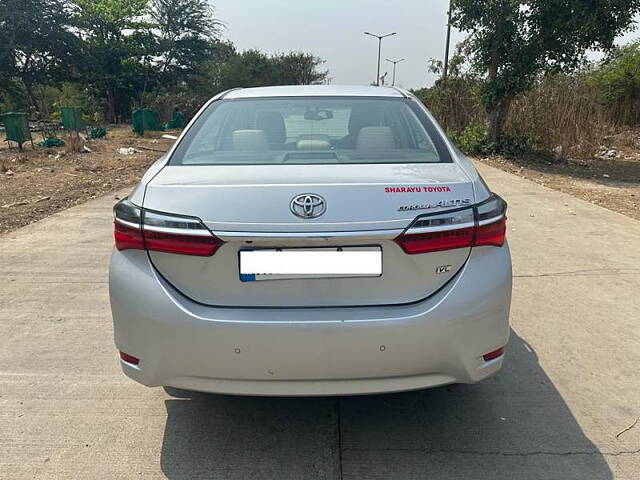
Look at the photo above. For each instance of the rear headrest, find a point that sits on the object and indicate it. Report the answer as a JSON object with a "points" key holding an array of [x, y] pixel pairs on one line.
{"points": [[273, 124], [375, 138], [250, 140]]}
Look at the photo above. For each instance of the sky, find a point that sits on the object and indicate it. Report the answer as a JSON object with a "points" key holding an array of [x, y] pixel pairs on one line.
{"points": [[333, 30]]}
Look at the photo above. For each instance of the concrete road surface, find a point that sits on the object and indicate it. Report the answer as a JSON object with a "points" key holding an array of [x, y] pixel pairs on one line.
{"points": [[560, 409]]}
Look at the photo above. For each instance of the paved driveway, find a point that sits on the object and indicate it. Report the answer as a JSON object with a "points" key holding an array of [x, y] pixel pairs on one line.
{"points": [[571, 382]]}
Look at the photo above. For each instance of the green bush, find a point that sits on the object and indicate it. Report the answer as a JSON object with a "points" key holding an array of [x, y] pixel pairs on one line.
{"points": [[618, 77], [617, 81], [512, 144], [472, 140]]}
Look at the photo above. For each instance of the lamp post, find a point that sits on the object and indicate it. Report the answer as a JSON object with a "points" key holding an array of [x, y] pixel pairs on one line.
{"points": [[446, 48], [395, 62], [379, 37]]}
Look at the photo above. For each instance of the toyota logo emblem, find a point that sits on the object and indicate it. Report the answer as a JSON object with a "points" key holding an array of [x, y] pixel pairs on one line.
{"points": [[308, 205]]}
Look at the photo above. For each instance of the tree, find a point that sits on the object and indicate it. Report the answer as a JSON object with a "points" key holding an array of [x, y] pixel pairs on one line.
{"points": [[123, 53], [253, 68], [617, 80], [298, 68], [250, 68], [186, 29], [512, 42], [211, 75], [36, 45], [113, 35]]}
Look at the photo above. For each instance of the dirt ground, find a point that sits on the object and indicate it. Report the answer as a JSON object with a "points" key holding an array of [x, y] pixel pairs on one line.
{"points": [[34, 183], [611, 183]]}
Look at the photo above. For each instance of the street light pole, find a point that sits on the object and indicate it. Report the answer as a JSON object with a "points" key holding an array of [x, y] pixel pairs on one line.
{"points": [[395, 62], [446, 48], [379, 37]]}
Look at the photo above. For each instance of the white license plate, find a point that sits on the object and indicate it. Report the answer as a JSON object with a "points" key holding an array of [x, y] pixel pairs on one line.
{"points": [[294, 263]]}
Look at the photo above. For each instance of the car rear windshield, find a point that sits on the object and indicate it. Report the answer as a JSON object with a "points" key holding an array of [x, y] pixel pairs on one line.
{"points": [[311, 130]]}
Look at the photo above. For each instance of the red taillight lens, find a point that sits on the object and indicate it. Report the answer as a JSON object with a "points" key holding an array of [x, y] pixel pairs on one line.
{"points": [[139, 229], [436, 241], [491, 233], [129, 358], [484, 224], [126, 225], [184, 244], [493, 355], [127, 237]]}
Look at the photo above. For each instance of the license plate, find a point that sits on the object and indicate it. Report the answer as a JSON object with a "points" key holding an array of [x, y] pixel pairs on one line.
{"points": [[295, 263]]}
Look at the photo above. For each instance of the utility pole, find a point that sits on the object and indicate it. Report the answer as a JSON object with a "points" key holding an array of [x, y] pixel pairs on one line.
{"points": [[395, 62], [379, 37], [446, 48]]}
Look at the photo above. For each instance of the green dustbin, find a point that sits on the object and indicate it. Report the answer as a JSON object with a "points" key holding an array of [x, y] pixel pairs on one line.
{"points": [[16, 126], [177, 120], [143, 119], [72, 118]]}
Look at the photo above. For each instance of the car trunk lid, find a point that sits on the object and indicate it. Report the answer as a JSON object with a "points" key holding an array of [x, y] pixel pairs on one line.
{"points": [[249, 207]]}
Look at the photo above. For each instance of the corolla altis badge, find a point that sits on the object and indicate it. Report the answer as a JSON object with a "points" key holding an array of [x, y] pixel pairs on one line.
{"points": [[308, 205], [441, 204]]}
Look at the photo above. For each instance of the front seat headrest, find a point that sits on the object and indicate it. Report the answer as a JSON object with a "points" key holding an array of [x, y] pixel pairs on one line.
{"points": [[375, 138]]}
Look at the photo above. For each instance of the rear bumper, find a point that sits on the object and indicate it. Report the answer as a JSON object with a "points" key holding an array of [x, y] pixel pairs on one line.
{"points": [[324, 351]]}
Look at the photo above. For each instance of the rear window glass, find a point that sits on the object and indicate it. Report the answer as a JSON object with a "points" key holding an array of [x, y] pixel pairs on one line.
{"points": [[311, 130]]}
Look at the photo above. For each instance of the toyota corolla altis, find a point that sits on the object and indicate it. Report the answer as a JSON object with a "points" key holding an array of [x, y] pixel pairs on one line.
{"points": [[314, 240]]}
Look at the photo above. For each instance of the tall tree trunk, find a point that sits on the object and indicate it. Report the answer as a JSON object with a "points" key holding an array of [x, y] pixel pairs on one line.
{"points": [[111, 105], [496, 118], [498, 105], [28, 87]]}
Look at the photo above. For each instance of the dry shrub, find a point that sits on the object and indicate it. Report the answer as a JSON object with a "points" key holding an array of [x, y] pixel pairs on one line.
{"points": [[72, 142], [563, 111], [454, 104], [189, 103], [626, 139], [559, 111]]}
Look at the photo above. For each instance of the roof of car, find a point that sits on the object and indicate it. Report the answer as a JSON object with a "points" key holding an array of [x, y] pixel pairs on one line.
{"points": [[314, 91]]}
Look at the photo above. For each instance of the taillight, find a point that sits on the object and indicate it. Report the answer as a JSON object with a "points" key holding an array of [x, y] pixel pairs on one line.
{"points": [[491, 216], [161, 232], [484, 224], [444, 231], [126, 225], [491, 233], [177, 234]]}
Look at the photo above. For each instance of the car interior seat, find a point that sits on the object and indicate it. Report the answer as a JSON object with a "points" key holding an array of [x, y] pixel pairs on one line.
{"points": [[375, 138], [254, 140]]}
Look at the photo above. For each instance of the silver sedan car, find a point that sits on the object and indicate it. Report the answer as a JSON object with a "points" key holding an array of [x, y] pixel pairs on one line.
{"points": [[311, 240]]}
